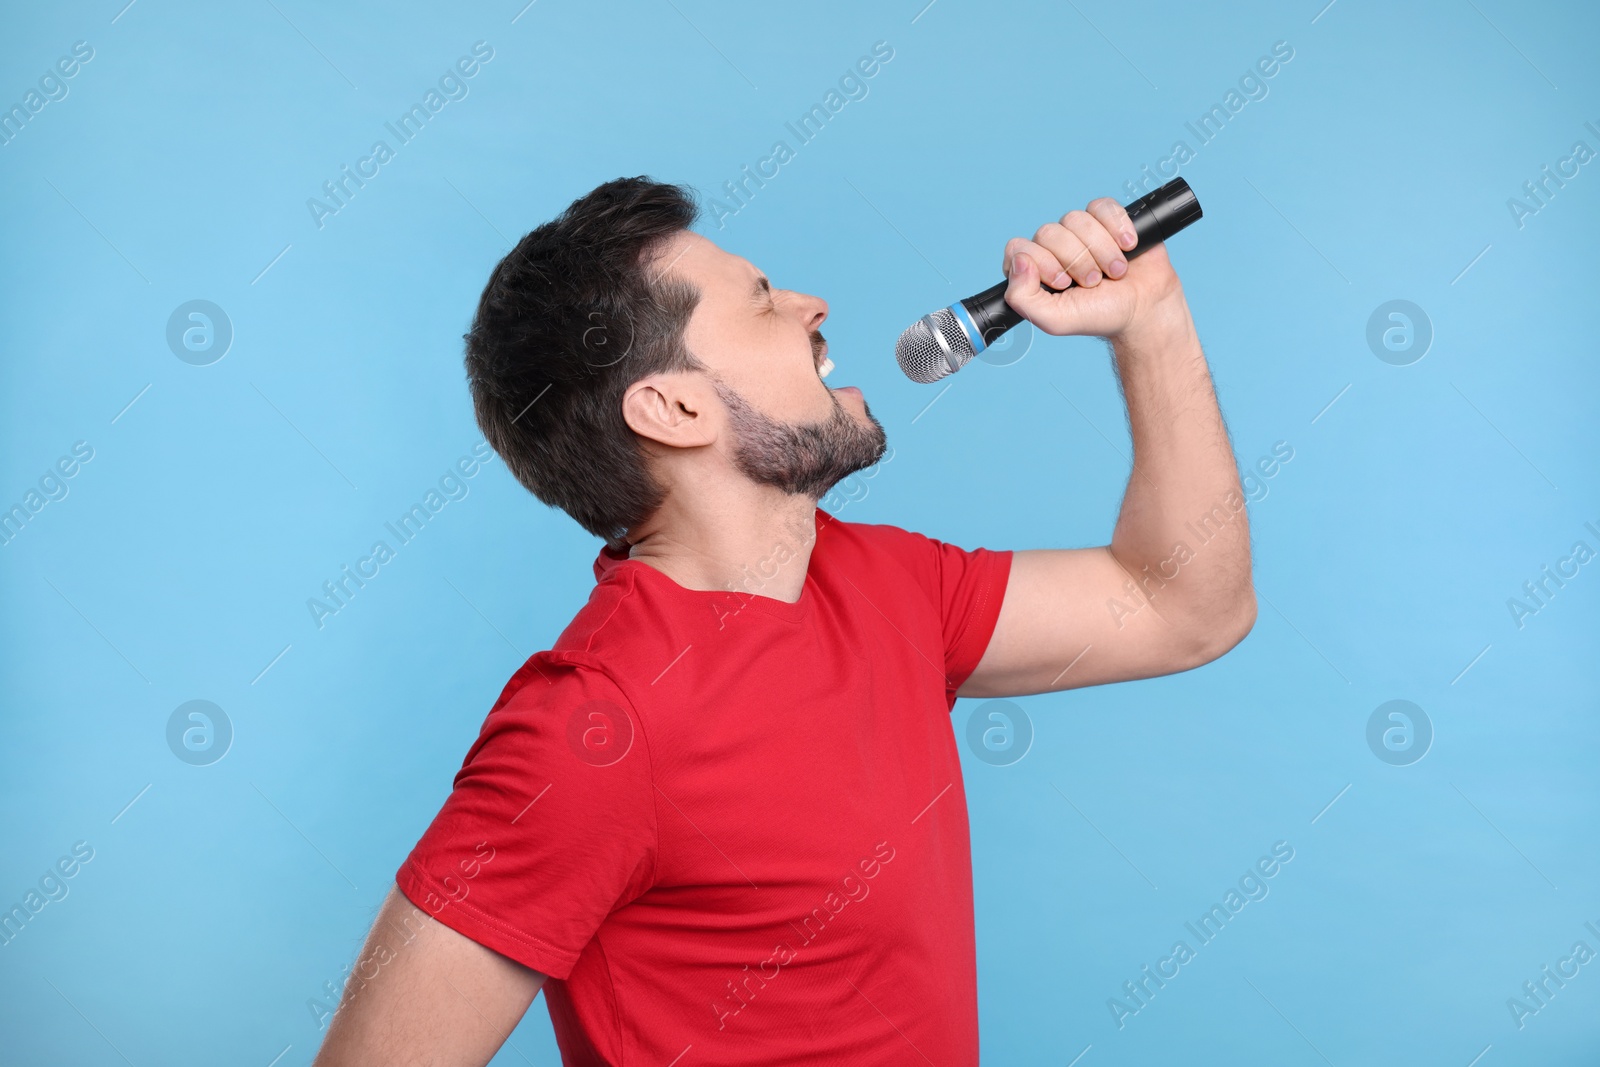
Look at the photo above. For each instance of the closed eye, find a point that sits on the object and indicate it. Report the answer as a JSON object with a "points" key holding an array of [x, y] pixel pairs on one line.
{"points": [[762, 290]]}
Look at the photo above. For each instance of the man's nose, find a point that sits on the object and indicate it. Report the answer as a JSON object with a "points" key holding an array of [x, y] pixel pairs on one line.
{"points": [[813, 310]]}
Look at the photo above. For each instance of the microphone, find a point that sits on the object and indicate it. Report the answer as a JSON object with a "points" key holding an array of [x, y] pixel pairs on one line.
{"points": [[943, 342]]}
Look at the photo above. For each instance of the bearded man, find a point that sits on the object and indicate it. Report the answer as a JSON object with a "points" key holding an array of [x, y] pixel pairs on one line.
{"points": [[721, 820]]}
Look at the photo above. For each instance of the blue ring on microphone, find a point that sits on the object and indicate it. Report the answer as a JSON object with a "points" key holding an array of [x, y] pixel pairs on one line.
{"points": [[959, 310]]}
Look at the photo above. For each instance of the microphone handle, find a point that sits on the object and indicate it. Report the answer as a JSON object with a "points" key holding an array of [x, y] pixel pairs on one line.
{"points": [[1156, 216]]}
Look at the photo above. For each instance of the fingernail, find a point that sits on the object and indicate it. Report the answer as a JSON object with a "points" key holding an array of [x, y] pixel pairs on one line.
{"points": [[1118, 268], [1127, 238], [1093, 278], [1061, 280]]}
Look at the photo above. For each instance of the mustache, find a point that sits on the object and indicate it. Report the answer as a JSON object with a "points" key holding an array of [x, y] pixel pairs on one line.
{"points": [[817, 343]]}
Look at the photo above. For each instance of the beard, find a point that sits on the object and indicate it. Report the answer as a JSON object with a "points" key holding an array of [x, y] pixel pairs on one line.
{"points": [[805, 459]]}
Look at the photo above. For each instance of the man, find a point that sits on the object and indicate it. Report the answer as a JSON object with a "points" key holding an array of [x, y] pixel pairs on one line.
{"points": [[722, 820]]}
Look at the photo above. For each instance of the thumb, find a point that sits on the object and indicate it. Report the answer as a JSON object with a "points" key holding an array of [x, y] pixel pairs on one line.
{"points": [[1026, 298]]}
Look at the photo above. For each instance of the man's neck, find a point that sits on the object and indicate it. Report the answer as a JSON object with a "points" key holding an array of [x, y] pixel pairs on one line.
{"points": [[755, 542]]}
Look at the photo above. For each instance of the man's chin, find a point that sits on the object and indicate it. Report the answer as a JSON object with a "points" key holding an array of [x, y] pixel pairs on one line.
{"points": [[806, 459]]}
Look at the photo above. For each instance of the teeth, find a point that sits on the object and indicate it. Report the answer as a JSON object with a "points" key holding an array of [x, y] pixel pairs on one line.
{"points": [[825, 367]]}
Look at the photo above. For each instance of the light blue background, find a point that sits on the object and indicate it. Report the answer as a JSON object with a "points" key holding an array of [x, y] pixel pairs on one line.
{"points": [[178, 567]]}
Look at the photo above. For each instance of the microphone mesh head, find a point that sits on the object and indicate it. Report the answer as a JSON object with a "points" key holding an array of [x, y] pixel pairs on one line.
{"points": [[933, 346]]}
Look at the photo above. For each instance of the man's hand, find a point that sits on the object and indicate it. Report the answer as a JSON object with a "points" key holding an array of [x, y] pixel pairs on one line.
{"points": [[1173, 589], [1085, 250]]}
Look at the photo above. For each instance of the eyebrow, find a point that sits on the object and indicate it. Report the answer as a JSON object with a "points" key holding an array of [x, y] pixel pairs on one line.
{"points": [[762, 287]]}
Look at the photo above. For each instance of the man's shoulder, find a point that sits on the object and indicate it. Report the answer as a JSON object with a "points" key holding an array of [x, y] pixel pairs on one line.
{"points": [[627, 623], [602, 622], [875, 545], [868, 535]]}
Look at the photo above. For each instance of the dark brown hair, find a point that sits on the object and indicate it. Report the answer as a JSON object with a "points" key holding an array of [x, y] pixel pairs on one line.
{"points": [[570, 318]]}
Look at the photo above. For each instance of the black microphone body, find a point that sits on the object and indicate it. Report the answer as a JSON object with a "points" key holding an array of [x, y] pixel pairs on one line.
{"points": [[943, 342]]}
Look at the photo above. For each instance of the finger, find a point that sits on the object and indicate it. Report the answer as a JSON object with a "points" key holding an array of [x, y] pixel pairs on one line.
{"points": [[1045, 262], [1071, 251], [1114, 217], [1043, 309], [1101, 245]]}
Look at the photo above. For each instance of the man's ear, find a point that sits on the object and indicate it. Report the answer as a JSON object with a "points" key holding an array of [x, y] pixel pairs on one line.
{"points": [[668, 408]]}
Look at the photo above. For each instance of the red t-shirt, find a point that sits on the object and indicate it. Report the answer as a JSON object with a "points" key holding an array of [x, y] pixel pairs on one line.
{"points": [[729, 828]]}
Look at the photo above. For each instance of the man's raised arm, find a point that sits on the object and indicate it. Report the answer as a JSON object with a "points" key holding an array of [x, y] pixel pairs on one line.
{"points": [[420, 993], [1173, 588]]}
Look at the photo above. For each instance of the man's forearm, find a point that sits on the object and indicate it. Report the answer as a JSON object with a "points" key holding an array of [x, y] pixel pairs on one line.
{"points": [[1183, 533]]}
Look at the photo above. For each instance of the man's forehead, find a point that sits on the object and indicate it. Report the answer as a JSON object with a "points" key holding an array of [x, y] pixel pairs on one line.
{"points": [[694, 257]]}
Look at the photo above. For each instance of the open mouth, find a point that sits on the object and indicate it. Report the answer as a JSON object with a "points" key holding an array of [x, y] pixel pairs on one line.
{"points": [[819, 355]]}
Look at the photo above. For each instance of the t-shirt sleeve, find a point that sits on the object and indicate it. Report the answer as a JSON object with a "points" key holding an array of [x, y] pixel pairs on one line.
{"points": [[967, 586], [551, 824], [972, 586]]}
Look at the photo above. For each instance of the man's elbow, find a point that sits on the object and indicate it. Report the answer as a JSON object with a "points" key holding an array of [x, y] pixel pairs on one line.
{"points": [[1243, 618], [1215, 634]]}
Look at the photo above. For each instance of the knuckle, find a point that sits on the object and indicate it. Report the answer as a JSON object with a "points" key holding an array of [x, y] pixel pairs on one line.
{"points": [[1013, 246]]}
